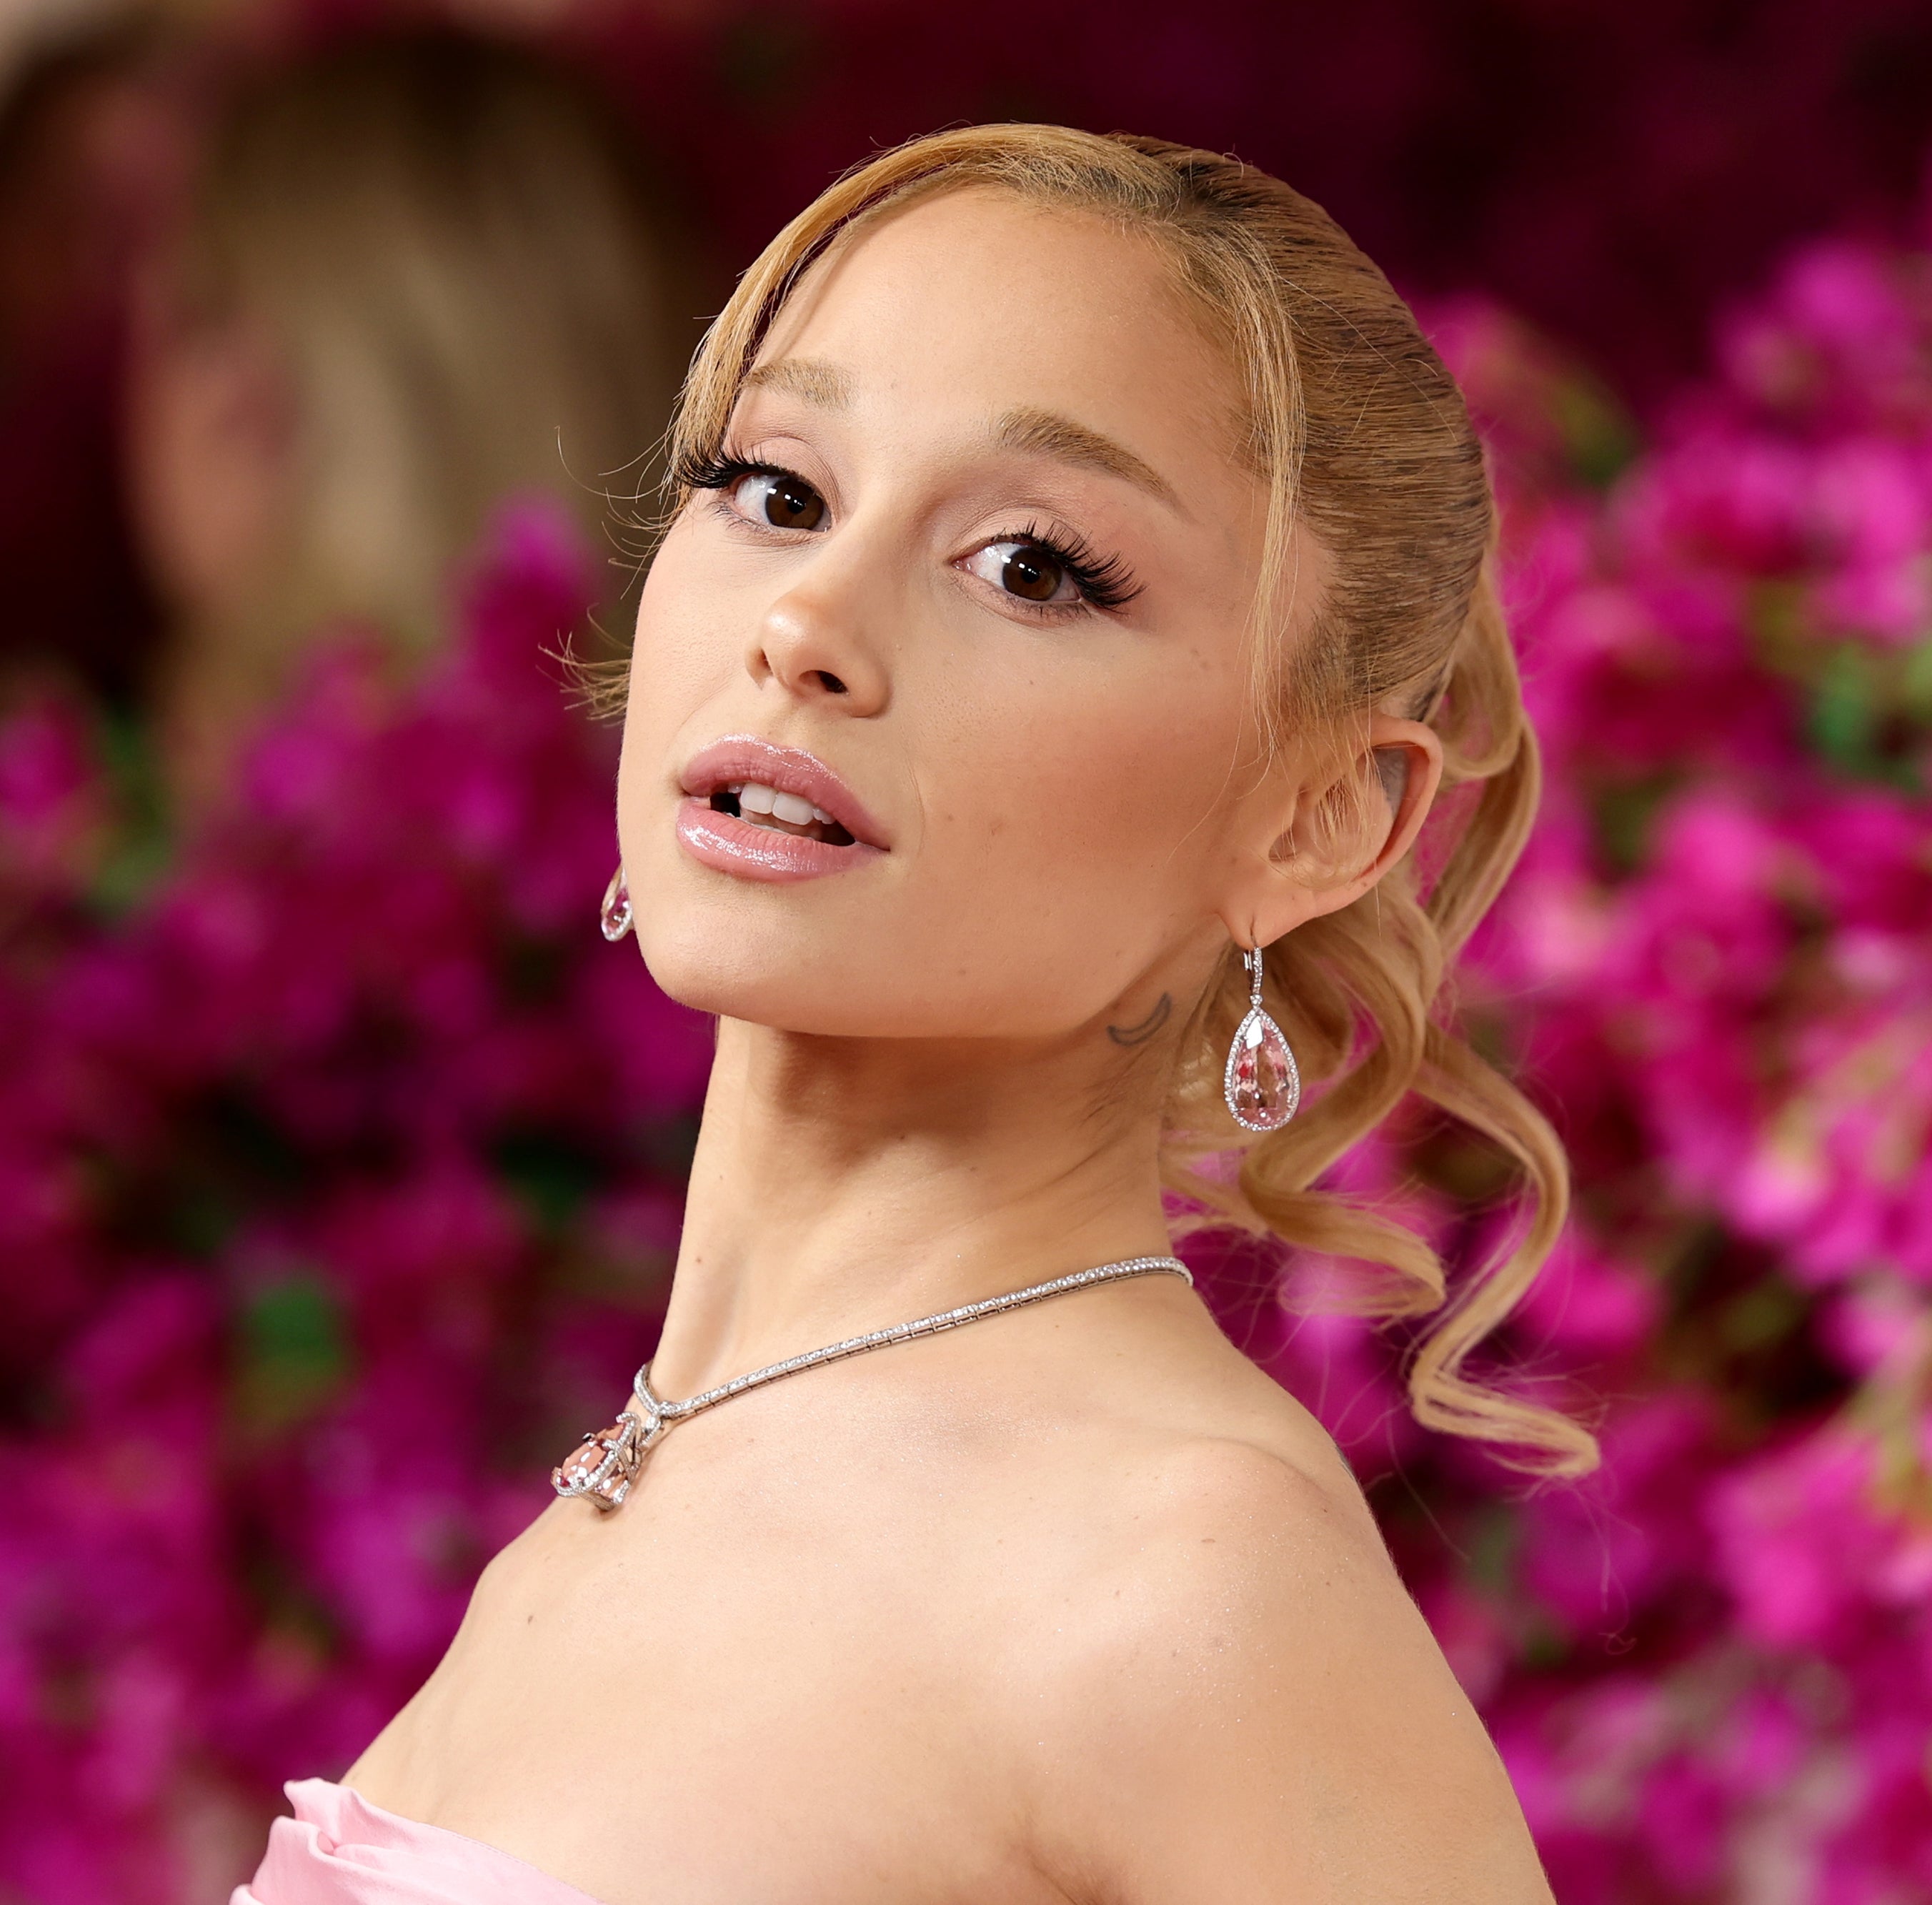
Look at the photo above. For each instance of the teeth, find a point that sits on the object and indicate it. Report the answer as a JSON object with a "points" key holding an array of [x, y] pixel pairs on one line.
{"points": [[755, 800]]}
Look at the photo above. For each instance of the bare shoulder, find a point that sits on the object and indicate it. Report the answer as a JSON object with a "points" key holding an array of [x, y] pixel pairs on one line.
{"points": [[1269, 1714], [1230, 1550]]}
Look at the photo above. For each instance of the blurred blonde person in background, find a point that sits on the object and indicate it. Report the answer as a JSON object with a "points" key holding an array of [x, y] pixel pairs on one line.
{"points": [[419, 275]]}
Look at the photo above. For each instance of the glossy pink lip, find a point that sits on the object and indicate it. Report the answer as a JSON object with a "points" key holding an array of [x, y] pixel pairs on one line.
{"points": [[735, 846]]}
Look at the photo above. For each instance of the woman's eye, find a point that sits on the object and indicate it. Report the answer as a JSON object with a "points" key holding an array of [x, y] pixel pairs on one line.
{"points": [[784, 501], [1029, 570]]}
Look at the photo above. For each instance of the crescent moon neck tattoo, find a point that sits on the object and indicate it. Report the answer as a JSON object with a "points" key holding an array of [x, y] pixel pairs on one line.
{"points": [[1131, 1035]]}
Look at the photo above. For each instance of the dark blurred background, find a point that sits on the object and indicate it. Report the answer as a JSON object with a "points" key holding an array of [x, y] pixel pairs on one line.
{"points": [[1610, 172], [340, 1161]]}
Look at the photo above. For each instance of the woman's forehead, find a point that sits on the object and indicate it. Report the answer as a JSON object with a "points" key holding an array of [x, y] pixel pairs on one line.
{"points": [[1059, 329], [993, 254]]}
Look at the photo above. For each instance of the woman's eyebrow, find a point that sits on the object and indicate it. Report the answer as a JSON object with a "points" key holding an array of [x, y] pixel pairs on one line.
{"points": [[1028, 429], [828, 385], [1046, 433]]}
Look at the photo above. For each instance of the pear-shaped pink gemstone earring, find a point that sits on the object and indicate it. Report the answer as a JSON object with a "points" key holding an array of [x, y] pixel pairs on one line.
{"points": [[1262, 1083], [615, 914]]}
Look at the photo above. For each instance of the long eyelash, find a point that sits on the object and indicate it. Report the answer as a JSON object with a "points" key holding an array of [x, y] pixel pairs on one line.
{"points": [[718, 471], [1105, 581]]}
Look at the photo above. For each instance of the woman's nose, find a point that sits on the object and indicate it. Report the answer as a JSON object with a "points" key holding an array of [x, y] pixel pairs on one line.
{"points": [[810, 644]]}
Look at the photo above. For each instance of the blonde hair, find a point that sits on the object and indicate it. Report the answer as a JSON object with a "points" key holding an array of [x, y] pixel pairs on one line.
{"points": [[446, 241], [1360, 434]]}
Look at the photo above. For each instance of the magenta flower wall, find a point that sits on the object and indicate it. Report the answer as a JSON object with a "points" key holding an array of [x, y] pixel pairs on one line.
{"points": [[341, 1175], [1710, 1669], [340, 1166]]}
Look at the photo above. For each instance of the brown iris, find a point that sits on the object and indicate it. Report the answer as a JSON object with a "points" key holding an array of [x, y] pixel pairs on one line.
{"points": [[792, 503], [1031, 572]]}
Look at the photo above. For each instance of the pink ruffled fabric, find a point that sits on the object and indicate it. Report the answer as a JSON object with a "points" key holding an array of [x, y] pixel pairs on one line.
{"points": [[339, 1849]]}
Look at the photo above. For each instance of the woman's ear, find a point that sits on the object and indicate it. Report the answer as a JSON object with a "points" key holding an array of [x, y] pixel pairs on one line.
{"points": [[1339, 841], [1409, 761]]}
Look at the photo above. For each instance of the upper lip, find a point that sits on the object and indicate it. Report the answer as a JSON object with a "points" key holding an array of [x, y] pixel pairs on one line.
{"points": [[738, 758]]}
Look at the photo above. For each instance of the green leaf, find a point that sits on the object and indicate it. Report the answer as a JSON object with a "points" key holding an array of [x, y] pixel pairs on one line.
{"points": [[1844, 712], [294, 1352]]}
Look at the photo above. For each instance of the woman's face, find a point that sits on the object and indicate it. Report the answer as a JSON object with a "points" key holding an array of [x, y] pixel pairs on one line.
{"points": [[210, 454], [964, 611]]}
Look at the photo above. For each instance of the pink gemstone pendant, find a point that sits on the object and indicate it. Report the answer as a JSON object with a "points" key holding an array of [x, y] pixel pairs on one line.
{"points": [[607, 1461], [1262, 1083]]}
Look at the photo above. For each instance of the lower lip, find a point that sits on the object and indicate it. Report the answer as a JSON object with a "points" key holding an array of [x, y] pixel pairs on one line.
{"points": [[731, 845]]}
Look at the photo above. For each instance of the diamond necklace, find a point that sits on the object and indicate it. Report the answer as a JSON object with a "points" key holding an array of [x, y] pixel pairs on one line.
{"points": [[605, 1464]]}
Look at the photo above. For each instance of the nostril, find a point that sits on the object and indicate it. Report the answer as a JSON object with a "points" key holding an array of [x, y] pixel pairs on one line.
{"points": [[828, 681]]}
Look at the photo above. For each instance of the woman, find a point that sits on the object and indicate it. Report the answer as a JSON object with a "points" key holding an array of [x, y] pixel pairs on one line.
{"points": [[419, 275], [1077, 579]]}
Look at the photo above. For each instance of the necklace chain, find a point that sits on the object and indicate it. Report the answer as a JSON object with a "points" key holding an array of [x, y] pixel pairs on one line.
{"points": [[925, 1326], [607, 1462]]}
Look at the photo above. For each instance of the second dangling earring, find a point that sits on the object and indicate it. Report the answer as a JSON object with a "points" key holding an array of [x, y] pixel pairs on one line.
{"points": [[1262, 1083], [615, 914]]}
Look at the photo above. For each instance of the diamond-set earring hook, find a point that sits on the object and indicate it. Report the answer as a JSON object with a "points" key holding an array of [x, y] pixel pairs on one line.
{"points": [[1262, 1083]]}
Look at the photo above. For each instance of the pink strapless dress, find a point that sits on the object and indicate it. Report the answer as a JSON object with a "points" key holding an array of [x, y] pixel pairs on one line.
{"points": [[339, 1849]]}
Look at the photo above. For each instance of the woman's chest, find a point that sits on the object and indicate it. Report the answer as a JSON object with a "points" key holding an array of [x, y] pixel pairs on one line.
{"points": [[725, 1695]]}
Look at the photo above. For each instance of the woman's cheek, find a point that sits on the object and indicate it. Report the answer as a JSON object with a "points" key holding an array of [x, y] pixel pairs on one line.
{"points": [[1083, 807], [687, 645]]}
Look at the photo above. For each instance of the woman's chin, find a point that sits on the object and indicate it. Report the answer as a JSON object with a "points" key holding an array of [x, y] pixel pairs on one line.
{"points": [[793, 990], [786, 993], [782, 1009]]}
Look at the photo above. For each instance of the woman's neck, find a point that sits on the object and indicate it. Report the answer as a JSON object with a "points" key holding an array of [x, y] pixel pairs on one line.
{"points": [[843, 1185]]}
